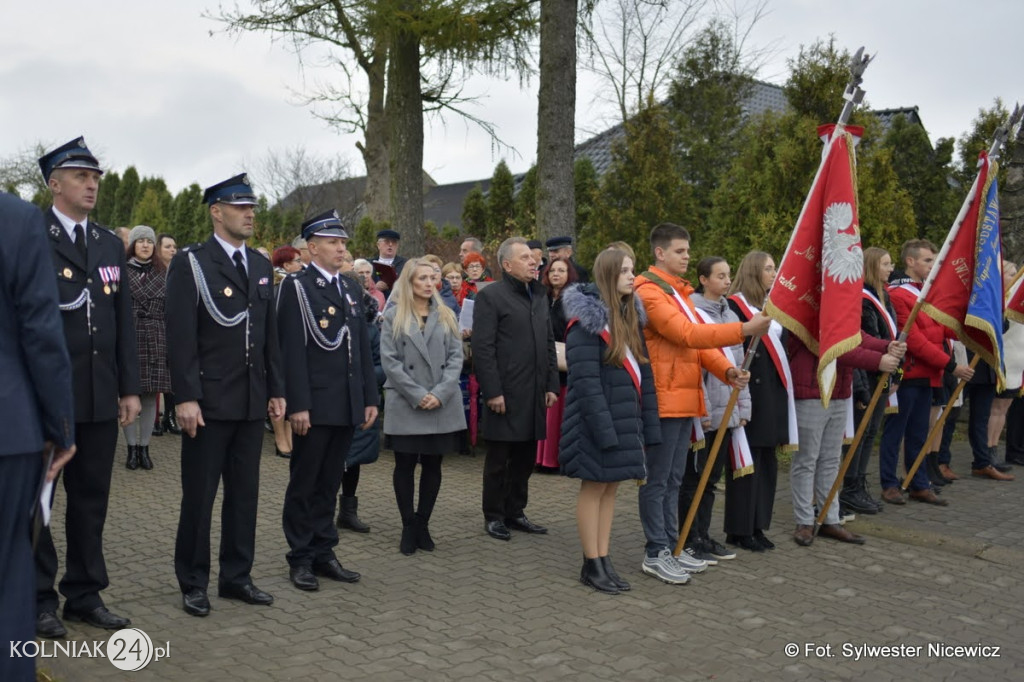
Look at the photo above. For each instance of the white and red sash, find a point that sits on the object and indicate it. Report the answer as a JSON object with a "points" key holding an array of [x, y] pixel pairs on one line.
{"points": [[893, 405], [740, 457], [631, 366], [772, 342]]}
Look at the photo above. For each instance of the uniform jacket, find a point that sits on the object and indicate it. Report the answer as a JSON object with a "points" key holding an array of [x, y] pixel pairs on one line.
{"points": [[100, 334], [514, 356], [769, 420], [334, 386], [209, 362], [679, 348], [415, 364], [36, 397], [607, 425], [366, 444], [926, 356], [717, 393]]}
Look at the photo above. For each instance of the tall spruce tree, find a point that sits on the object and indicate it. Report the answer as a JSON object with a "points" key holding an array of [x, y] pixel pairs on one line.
{"points": [[124, 198], [106, 197], [501, 203]]}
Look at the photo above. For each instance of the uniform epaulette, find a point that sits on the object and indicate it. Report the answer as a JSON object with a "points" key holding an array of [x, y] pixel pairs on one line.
{"points": [[191, 247]]}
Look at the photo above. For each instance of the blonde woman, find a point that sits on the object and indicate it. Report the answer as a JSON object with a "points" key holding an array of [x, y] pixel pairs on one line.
{"points": [[421, 353]]}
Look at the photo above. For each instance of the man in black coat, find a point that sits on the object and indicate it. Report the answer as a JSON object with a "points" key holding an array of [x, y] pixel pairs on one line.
{"points": [[226, 375], [561, 247], [331, 389], [515, 363], [96, 307], [37, 404]]}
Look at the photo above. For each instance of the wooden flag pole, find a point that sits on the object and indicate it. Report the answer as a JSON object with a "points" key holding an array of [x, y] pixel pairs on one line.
{"points": [[713, 453], [937, 426]]}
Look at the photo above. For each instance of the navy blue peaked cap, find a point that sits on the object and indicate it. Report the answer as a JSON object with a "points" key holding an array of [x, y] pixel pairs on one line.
{"points": [[235, 191], [327, 224], [73, 154]]}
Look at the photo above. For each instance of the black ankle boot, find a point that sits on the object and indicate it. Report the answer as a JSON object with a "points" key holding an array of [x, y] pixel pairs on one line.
{"points": [[171, 423], [158, 428], [610, 570], [144, 461], [408, 543], [931, 464], [348, 516], [423, 539], [595, 575], [133, 457]]}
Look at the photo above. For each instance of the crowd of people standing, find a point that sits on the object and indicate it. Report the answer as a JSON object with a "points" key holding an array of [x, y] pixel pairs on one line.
{"points": [[623, 377]]}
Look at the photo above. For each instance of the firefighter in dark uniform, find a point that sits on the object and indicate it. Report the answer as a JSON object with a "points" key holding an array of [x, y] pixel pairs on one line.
{"points": [[226, 376], [96, 309], [331, 390], [37, 404]]}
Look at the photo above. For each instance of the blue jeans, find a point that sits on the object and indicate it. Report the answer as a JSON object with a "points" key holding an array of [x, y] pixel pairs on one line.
{"points": [[909, 425], [659, 496]]}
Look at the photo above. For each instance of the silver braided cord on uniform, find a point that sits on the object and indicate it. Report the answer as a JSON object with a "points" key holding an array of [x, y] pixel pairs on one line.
{"points": [[84, 299], [220, 318], [313, 329], [204, 293]]}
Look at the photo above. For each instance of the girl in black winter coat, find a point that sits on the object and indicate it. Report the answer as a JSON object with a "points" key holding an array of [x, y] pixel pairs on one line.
{"points": [[611, 411]]}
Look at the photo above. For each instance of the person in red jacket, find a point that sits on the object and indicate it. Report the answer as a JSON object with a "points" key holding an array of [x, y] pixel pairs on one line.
{"points": [[922, 371]]}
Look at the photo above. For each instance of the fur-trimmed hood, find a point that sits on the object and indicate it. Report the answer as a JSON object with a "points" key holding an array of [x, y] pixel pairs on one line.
{"points": [[583, 302]]}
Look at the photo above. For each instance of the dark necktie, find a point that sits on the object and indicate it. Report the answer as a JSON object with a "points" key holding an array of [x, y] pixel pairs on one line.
{"points": [[334, 283], [240, 266], [80, 240]]}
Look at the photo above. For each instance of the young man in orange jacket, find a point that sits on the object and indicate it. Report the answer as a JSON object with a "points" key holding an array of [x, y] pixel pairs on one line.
{"points": [[679, 347]]}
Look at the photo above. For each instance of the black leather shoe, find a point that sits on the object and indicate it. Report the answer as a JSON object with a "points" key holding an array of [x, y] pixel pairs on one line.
{"points": [[248, 593], [1015, 459], [524, 524], [497, 530], [158, 429], [612, 575], [171, 423], [99, 617], [48, 626], [302, 577], [746, 542], [195, 602], [285, 455], [133, 457], [335, 571]]}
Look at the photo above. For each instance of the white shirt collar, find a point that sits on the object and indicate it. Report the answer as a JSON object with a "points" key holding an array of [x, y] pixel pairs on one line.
{"points": [[327, 275], [386, 261], [68, 224], [230, 249]]}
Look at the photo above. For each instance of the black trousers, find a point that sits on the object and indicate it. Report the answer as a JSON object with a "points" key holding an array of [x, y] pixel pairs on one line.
{"points": [[317, 465], [750, 499], [19, 477], [695, 463], [87, 486], [507, 469], [228, 449], [1015, 430]]}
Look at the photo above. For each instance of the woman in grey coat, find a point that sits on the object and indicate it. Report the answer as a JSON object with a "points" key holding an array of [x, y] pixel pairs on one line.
{"points": [[421, 352]]}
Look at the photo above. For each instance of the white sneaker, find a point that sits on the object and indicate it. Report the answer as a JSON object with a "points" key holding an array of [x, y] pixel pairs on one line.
{"points": [[689, 563], [665, 568]]}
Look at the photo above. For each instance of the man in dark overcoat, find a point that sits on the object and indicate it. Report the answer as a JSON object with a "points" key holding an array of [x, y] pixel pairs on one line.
{"points": [[96, 308], [226, 376], [37, 405], [331, 390], [516, 366]]}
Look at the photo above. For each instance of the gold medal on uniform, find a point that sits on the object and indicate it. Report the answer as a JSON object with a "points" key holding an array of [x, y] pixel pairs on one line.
{"points": [[227, 291], [67, 273], [331, 310], [323, 324], [106, 289]]}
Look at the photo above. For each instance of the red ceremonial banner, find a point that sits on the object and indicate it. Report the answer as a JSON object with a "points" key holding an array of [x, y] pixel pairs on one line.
{"points": [[821, 276]]}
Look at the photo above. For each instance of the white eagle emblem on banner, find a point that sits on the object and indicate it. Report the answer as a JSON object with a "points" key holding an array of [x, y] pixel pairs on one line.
{"points": [[841, 253]]}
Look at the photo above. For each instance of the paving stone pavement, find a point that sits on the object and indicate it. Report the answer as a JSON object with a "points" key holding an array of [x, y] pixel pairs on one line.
{"points": [[481, 609]]}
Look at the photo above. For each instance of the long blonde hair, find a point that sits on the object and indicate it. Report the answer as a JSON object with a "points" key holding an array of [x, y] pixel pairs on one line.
{"points": [[402, 298], [873, 270], [748, 278], [623, 319]]}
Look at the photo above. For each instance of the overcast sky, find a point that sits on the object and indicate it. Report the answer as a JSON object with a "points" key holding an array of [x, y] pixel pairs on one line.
{"points": [[147, 83]]}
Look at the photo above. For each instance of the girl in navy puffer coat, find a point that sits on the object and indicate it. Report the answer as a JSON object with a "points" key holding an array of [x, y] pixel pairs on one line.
{"points": [[611, 411]]}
